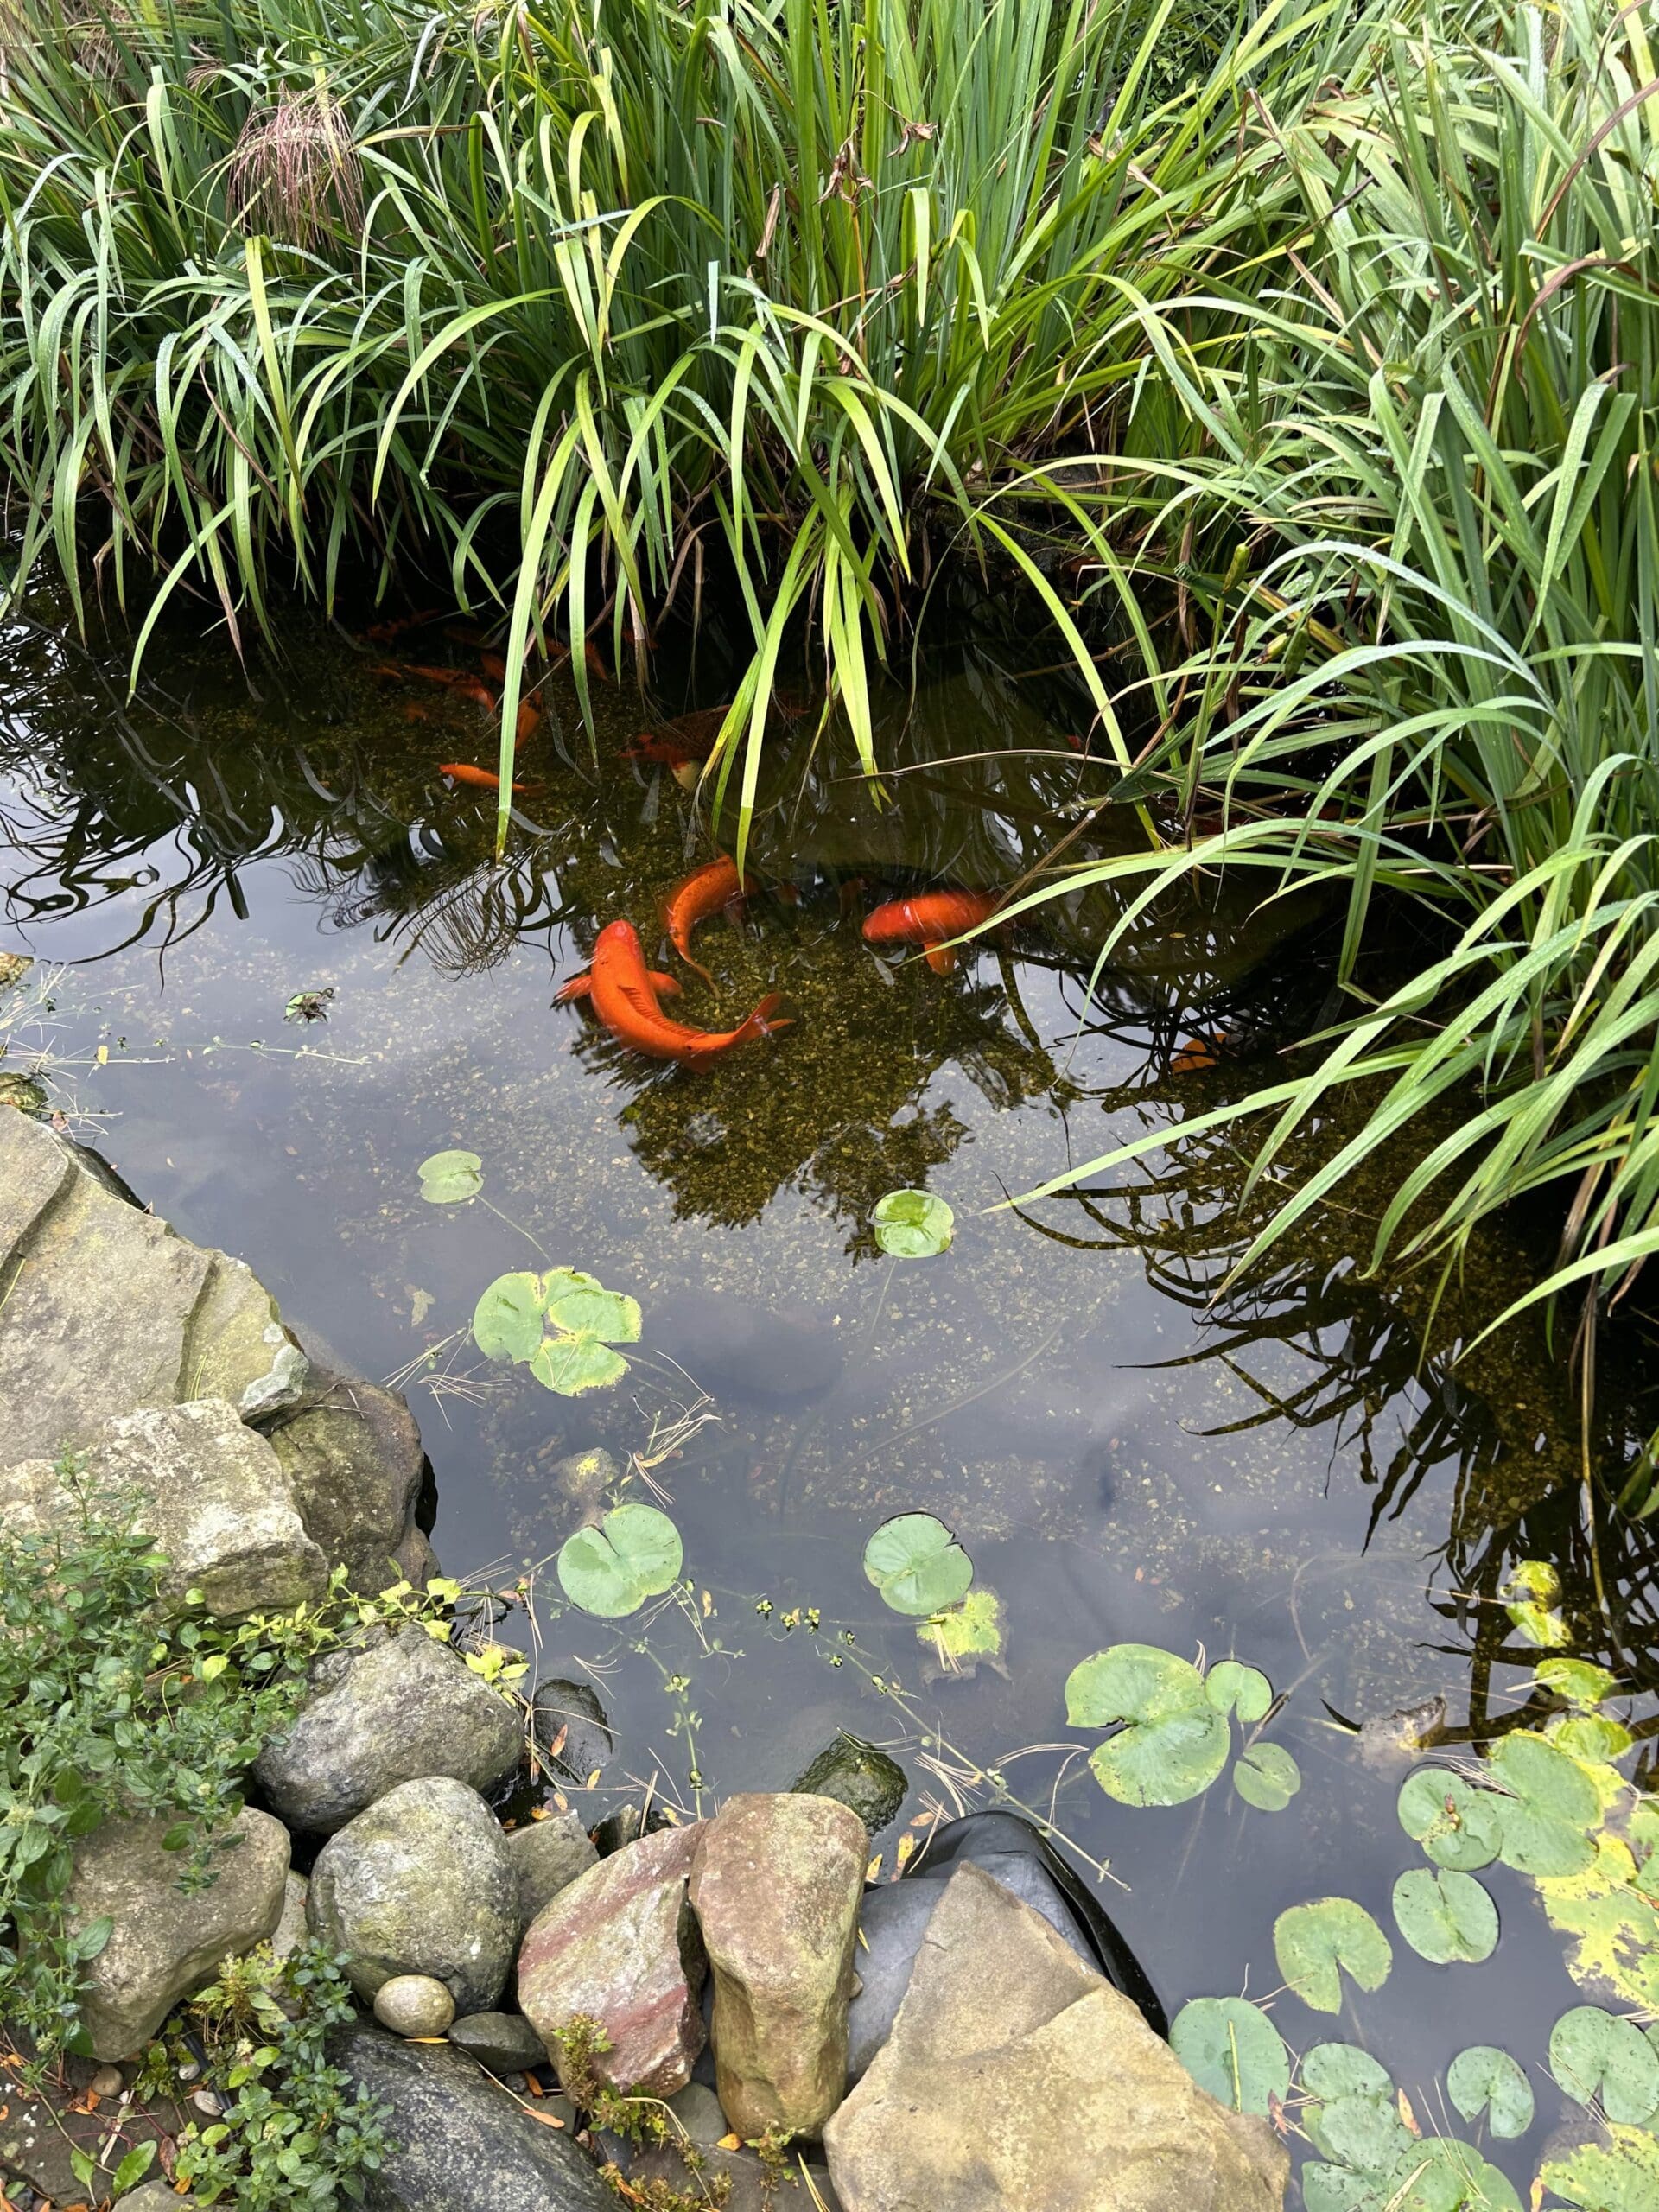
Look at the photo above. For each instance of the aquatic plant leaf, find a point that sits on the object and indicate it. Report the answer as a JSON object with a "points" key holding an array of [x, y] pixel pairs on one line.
{"points": [[963, 1635], [1621, 2175], [573, 1364], [1484, 2078], [1552, 1802], [1447, 1919], [1595, 2055], [1230, 2048], [579, 1305], [1364, 2130], [1173, 1742], [913, 1224], [1338, 2189], [635, 1554], [1577, 1679], [1266, 1776], [1246, 1690], [1613, 1926], [1532, 1596], [1459, 1826], [449, 1177], [1592, 1736], [918, 1565], [1314, 1943], [507, 1318], [1342, 2069]]}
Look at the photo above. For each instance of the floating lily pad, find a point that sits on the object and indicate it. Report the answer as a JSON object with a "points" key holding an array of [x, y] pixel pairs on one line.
{"points": [[1592, 1736], [964, 1635], [1621, 2175], [913, 1224], [1447, 1919], [507, 1318], [1577, 1680], [1595, 2055], [1172, 1743], [1315, 1943], [1232, 1687], [635, 1554], [447, 1178], [1458, 1825], [1342, 2069], [1233, 2048], [918, 1565], [1532, 1595], [1266, 1776], [1485, 2079], [1550, 1803], [561, 1325]]}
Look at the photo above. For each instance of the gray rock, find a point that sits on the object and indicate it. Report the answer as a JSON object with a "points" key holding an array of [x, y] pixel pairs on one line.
{"points": [[356, 1466], [238, 1348], [291, 1930], [619, 1947], [165, 1943], [570, 1729], [504, 2041], [776, 1890], [414, 2004], [420, 1884], [208, 1490], [461, 2143], [547, 1857], [1017, 2077], [858, 1775], [625, 1826], [699, 2112], [393, 1711], [151, 2197]]}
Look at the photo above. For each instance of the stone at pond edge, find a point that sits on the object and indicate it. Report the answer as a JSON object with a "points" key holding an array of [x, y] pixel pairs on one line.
{"points": [[505, 2042], [547, 1857], [569, 1716], [414, 2004], [420, 1884], [165, 1943], [859, 1775], [356, 1466], [625, 1826], [291, 1930], [752, 2189], [210, 1492], [620, 1945], [393, 1711], [460, 2144], [776, 1890], [1018, 2076]]}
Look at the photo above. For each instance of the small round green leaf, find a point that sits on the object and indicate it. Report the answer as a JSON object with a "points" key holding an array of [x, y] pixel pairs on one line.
{"points": [[1447, 1919], [1233, 1688], [1592, 1736], [449, 1177], [1174, 1743], [918, 1565], [507, 1318], [1594, 2054], [1577, 1680], [913, 1224], [635, 1554], [1266, 1776], [1458, 1825], [573, 1364], [1549, 1803], [1342, 2069], [1532, 1596], [1365, 2133], [1314, 1943], [1232, 2050], [579, 1305], [963, 1635], [1485, 2079]]}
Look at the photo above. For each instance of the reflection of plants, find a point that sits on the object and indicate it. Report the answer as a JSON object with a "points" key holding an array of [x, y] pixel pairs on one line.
{"points": [[562, 1326]]}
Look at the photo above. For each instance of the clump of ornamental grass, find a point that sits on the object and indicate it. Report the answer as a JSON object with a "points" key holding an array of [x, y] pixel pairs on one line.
{"points": [[294, 171]]}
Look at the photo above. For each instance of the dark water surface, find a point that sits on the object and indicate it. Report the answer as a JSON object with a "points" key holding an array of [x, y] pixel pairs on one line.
{"points": [[1129, 1449]]}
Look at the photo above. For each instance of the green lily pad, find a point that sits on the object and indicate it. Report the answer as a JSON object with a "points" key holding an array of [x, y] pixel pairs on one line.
{"points": [[1621, 2176], [1365, 2132], [1596, 2054], [1172, 1743], [1231, 1687], [1550, 1803], [1459, 1826], [913, 1224], [1315, 1942], [963, 1635], [1342, 2069], [1577, 1680], [561, 1325], [507, 1318], [635, 1554], [580, 1305], [1532, 1595], [1485, 2079], [1592, 1736], [1233, 2048], [1447, 1919], [447, 1178], [1266, 1776], [573, 1364], [918, 1565]]}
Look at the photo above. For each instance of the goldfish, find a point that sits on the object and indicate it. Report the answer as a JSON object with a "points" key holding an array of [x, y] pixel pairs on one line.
{"points": [[704, 891], [483, 779], [1198, 1052], [928, 919], [675, 744], [624, 992]]}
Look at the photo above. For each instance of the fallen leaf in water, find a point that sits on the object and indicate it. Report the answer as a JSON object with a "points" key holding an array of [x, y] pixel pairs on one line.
{"points": [[730, 2143]]}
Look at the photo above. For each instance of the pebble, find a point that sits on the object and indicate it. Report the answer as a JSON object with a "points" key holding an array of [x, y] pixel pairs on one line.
{"points": [[108, 2082], [414, 2004], [210, 2102]]}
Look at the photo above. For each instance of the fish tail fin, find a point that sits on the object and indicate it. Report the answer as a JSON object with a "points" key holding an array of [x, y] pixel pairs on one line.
{"points": [[941, 959], [764, 1021], [579, 987]]}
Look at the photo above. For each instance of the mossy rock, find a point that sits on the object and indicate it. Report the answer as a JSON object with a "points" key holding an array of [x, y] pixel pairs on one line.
{"points": [[856, 1774]]}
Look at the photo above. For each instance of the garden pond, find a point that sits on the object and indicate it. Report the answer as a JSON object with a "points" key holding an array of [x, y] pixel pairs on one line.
{"points": [[278, 967]]}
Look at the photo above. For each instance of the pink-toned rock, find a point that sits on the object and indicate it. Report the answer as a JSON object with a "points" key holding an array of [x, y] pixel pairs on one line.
{"points": [[776, 1890], [619, 1947]]}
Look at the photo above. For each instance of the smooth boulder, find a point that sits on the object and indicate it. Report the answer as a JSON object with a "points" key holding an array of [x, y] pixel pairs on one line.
{"points": [[547, 1857], [504, 2041], [858, 1775], [420, 1884], [618, 1946], [165, 1941], [458, 2143], [570, 1730], [1017, 2077], [414, 2004], [208, 1492], [357, 1468], [397, 1711], [776, 1890]]}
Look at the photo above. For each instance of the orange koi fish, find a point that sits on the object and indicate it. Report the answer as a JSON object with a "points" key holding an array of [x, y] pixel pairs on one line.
{"points": [[483, 779], [928, 919], [704, 891], [1200, 1051], [624, 994], [675, 744]]}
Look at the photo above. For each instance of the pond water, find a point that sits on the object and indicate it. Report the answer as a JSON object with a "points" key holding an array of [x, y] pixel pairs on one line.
{"points": [[1129, 1447]]}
